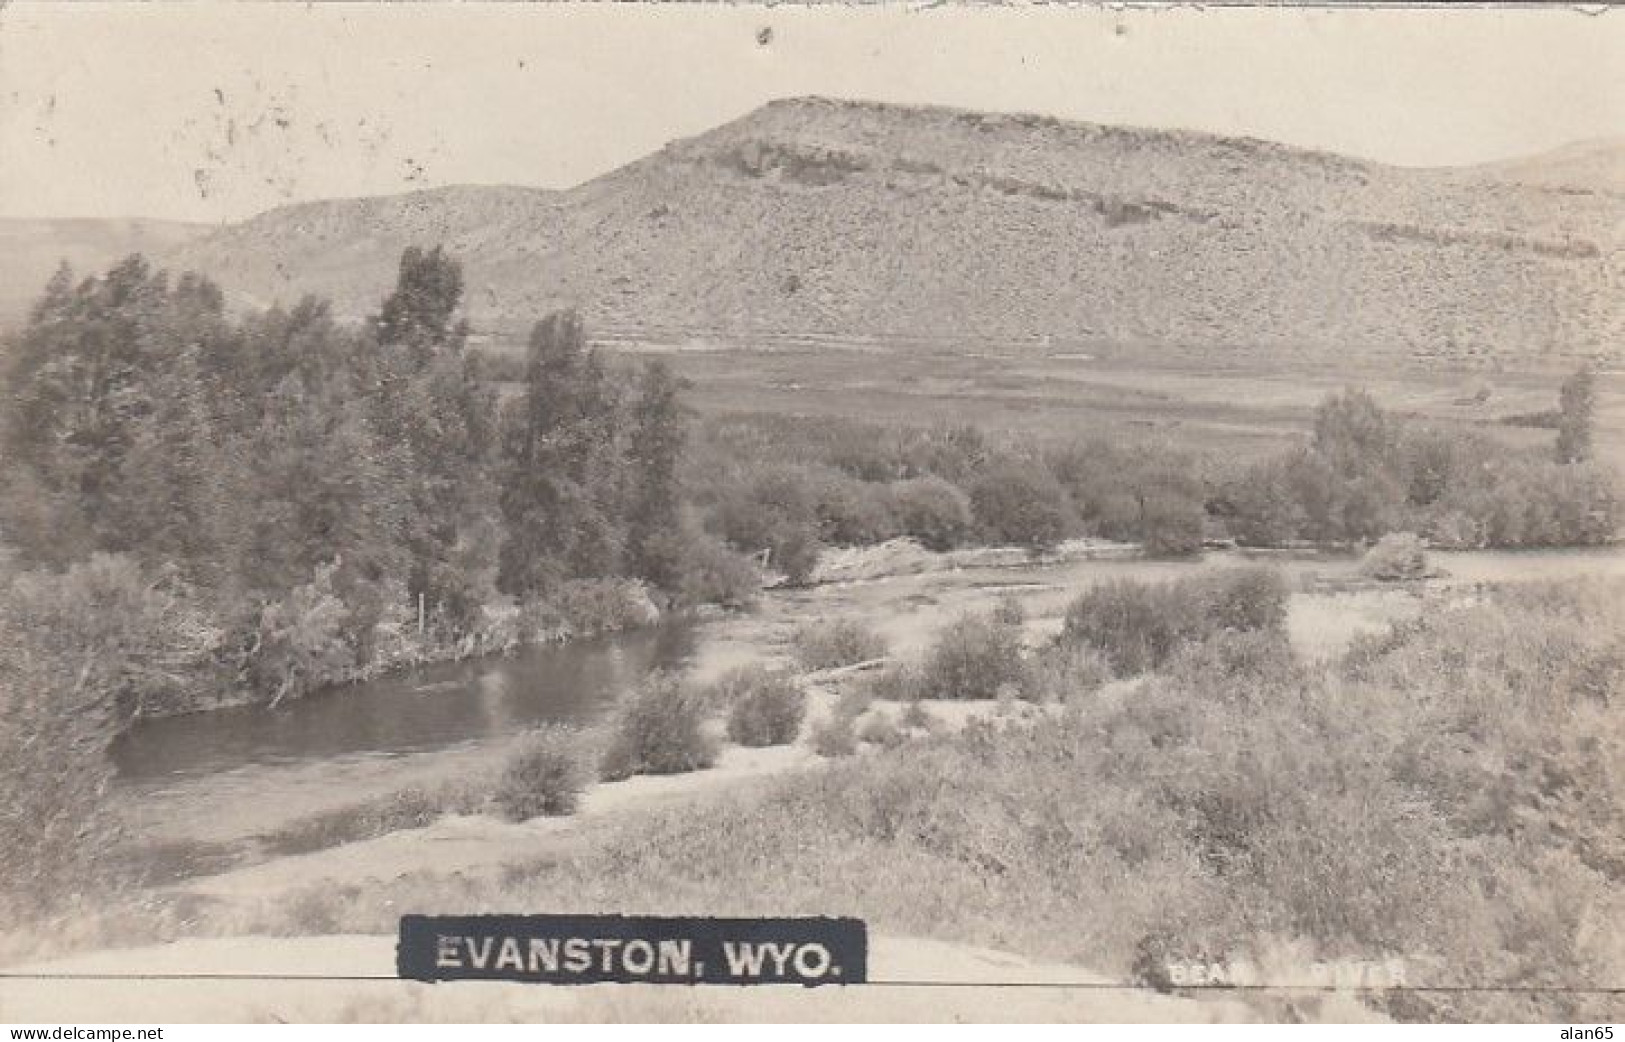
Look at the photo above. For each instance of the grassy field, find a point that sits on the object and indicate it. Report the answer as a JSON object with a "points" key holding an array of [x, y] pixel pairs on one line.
{"points": [[1231, 407]]}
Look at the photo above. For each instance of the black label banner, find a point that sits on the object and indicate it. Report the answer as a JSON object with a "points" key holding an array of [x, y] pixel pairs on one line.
{"points": [[592, 949]]}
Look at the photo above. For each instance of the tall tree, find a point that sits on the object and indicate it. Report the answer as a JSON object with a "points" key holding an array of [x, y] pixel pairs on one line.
{"points": [[430, 402], [87, 381], [654, 551], [419, 315], [1353, 434], [1576, 409], [561, 468]]}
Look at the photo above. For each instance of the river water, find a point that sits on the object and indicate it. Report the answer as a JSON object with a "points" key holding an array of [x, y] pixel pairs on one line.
{"points": [[430, 708]]}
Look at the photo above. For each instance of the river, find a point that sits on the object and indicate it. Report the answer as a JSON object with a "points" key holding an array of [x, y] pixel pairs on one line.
{"points": [[238, 772], [429, 708]]}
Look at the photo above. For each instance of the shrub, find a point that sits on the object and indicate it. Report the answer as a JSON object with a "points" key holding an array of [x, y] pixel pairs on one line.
{"points": [[972, 659], [1171, 522], [934, 511], [1396, 556], [895, 683], [774, 509], [1239, 666], [1009, 612], [835, 736], [916, 717], [1138, 625], [701, 568], [659, 729], [852, 512], [1453, 805], [136, 636], [880, 729], [1135, 625], [596, 606], [1062, 672], [1247, 598], [840, 642], [545, 775], [1021, 503], [712, 573], [301, 641], [55, 825], [768, 710]]}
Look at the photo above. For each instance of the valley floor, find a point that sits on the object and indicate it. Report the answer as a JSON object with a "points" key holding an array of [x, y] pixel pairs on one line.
{"points": [[474, 855]]}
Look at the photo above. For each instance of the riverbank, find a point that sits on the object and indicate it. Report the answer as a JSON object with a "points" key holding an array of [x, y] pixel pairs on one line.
{"points": [[906, 611]]}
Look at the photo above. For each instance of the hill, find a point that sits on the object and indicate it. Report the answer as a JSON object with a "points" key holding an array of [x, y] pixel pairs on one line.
{"points": [[917, 225], [1596, 166]]}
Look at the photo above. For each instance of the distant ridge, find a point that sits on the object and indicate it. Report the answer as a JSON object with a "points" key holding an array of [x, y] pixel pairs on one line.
{"points": [[814, 218]]}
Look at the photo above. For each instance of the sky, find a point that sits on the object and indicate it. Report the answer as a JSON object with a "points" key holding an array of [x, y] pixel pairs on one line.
{"points": [[214, 112]]}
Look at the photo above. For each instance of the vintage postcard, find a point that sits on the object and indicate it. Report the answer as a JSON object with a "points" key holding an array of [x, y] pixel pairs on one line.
{"points": [[729, 512]]}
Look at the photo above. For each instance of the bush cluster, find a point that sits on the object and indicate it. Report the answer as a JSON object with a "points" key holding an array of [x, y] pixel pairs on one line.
{"points": [[544, 775], [658, 729], [1443, 797], [767, 709], [1394, 557], [1366, 474], [831, 645], [974, 657], [1139, 625]]}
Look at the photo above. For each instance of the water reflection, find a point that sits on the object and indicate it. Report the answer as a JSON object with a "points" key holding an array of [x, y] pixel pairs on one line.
{"points": [[433, 707]]}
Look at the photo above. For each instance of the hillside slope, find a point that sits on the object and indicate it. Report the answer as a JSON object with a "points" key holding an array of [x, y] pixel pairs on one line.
{"points": [[850, 219], [1597, 165]]}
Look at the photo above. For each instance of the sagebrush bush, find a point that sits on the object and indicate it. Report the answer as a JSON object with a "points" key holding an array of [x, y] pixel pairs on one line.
{"points": [[1239, 665], [1062, 672], [658, 729], [972, 659], [1139, 625], [841, 642], [1395, 557], [767, 709], [878, 728], [835, 736], [895, 683], [545, 775], [1351, 821]]}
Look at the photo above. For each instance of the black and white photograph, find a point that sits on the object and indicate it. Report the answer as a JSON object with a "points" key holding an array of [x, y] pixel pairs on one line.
{"points": [[700, 513]]}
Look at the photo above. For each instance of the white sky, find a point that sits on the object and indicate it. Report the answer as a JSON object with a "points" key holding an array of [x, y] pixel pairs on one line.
{"points": [[213, 112]]}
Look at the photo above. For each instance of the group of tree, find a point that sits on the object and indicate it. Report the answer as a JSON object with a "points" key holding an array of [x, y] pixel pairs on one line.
{"points": [[308, 490], [300, 483], [1365, 473], [795, 486]]}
